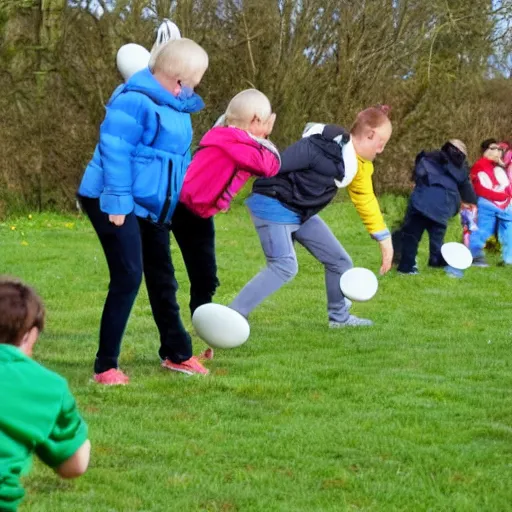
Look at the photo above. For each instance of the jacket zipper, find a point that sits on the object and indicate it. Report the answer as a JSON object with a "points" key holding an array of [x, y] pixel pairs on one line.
{"points": [[167, 203]]}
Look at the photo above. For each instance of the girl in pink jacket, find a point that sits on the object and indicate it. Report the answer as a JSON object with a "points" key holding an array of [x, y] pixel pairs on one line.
{"points": [[232, 152], [229, 154]]}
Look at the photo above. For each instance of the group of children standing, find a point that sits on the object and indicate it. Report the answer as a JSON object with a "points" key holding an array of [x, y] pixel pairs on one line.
{"points": [[444, 185], [143, 183]]}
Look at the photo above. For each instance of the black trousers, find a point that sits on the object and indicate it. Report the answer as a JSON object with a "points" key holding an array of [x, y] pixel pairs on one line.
{"points": [[409, 237], [196, 239], [138, 246]]}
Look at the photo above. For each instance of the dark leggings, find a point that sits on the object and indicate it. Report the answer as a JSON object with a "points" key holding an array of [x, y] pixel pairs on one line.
{"points": [[415, 224], [135, 247]]}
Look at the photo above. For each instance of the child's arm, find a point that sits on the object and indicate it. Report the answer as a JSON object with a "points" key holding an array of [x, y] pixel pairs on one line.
{"points": [[77, 464], [262, 160], [483, 186], [467, 194], [67, 448], [120, 133], [364, 199]]}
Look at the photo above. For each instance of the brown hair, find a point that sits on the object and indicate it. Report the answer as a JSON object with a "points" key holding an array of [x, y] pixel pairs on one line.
{"points": [[21, 309], [372, 117]]}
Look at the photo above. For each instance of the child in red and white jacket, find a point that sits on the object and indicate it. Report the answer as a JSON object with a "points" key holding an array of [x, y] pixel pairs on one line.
{"points": [[494, 191], [229, 154]]}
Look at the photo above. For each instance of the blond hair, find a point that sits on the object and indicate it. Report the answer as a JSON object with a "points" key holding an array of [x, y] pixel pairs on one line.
{"points": [[246, 106], [180, 58]]}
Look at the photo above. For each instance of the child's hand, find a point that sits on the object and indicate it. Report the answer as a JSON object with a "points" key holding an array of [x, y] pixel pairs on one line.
{"points": [[117, 220], [386, 249]]}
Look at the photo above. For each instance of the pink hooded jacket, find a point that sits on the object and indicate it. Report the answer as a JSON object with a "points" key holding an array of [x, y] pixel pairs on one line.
{"points": [[225, 160]]}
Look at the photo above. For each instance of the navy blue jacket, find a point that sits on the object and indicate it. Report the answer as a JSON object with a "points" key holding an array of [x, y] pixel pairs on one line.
{"points": [[305, 182], [440, 186]]}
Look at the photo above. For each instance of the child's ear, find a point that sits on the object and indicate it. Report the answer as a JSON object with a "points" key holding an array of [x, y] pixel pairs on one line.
{"points": [[28, 341]]}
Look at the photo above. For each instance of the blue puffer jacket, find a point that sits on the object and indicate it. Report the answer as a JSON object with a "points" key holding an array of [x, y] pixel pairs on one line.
{"points": [[143, 152]]}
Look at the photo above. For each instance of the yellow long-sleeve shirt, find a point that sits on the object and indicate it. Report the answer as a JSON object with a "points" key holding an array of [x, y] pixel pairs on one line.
{"points": [[363, 197]]}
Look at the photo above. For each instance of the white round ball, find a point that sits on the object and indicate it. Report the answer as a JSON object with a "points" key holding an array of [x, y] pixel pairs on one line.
{"points": [[220, 326], [457, 255], [359, 284], [131, 58]]}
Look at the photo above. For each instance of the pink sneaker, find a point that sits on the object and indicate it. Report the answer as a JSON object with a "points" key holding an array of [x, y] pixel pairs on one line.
{"points": [[112, 377], [190, 366]]}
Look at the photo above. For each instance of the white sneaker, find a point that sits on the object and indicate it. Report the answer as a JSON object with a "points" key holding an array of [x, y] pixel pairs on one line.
{"points": [[351, 321]]}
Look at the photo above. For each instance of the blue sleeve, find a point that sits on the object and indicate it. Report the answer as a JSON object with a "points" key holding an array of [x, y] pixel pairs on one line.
{"points": [[120, 133]]}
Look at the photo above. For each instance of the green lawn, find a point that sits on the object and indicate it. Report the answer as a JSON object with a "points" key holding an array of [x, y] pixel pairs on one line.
{"points": [[413, 414]]}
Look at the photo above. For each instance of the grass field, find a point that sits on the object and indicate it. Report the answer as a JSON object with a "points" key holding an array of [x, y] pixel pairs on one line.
{"points": [[413, 414]]}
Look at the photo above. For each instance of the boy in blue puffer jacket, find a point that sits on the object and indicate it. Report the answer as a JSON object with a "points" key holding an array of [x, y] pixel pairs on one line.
{"points": [[130, 190]]}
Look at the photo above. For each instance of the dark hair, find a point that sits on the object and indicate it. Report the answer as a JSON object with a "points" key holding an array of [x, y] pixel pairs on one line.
{"points": [[372, 117], [21, 309], [486, 143]]}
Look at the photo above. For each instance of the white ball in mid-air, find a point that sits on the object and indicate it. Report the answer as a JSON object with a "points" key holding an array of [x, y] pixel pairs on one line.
{"points": [[457, 255], [359, 284], [220, 326]]}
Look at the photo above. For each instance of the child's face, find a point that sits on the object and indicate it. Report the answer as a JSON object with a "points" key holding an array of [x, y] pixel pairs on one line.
{"points": [[494, 153], [179, 85], [262, 129], [374, 141], [194, 79]]}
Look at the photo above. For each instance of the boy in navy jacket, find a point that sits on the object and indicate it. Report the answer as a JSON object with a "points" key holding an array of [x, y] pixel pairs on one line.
{"points": [[442, 182]]}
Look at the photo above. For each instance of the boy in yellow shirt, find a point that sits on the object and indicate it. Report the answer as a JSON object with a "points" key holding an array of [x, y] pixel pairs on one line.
{"points": [[285, 208]]}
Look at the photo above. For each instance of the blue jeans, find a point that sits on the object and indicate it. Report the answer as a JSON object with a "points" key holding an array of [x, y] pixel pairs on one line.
{"points": [[135, 247], [491, 217], [277, 241]]}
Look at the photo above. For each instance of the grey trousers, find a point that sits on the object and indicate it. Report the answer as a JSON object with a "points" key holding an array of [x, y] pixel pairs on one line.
{"points": [[277, 241]]}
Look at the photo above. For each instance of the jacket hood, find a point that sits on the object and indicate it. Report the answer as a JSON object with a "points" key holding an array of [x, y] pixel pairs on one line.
{"points": [[221, 136], [442, 160], [144, 82]]}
